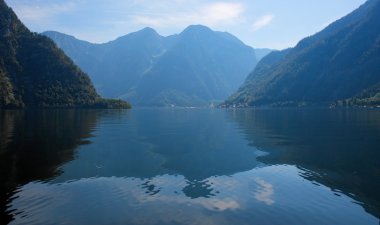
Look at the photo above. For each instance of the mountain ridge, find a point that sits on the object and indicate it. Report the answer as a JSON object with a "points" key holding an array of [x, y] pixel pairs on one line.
{"points": [[334, 64], [141, 69]]}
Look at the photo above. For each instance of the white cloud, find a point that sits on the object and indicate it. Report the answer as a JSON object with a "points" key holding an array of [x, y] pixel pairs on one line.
{"points": [[221, 12], [33, 13], [210, 15], [262, 22]]}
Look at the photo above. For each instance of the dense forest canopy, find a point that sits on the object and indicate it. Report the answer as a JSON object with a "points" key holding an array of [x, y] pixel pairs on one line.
{"points": [[35, 73]]}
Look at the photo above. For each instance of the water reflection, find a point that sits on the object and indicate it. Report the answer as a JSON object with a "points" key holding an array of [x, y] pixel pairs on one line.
{"points": [[35, 143], [6, 129], [197, 189], [338, 148], [199, 166], [245, 198], [68, 146], [151, 142]]}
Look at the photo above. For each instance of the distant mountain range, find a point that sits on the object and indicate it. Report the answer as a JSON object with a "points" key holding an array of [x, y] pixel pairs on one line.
{"points": [[194, 68], [35, 73], [339, 65]]}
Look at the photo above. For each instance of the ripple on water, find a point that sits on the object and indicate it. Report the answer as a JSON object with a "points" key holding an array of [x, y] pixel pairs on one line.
{"points": [[260, 195]]}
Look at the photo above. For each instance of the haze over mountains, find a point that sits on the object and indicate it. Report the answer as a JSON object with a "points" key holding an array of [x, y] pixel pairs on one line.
{"points": [[340, 63], [35, 73], [194, 68]]}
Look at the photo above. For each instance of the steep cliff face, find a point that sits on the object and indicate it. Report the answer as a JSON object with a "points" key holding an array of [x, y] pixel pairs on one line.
{"points": [[36, 73], [337, 63]]}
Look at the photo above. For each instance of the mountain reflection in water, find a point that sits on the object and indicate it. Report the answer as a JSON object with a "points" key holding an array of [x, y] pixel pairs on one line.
{"points": [[198, 165], [338, 148]]}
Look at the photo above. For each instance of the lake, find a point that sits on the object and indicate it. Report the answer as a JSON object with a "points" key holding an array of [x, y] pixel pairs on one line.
{"points": [[190, 166]]}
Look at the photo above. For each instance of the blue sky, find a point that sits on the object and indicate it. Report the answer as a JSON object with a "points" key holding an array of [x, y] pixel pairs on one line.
{"points": [[274, 24]]}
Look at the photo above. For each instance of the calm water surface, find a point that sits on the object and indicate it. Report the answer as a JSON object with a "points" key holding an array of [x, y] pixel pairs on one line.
{"points": [[190, 166]]}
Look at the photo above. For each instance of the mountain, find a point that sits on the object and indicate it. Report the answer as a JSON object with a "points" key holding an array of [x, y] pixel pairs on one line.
{"points": [[116, 66], [35, 73], [196, 67], [338, 63]]}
